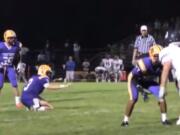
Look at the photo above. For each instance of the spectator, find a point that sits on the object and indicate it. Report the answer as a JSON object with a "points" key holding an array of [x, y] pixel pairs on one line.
{"points": [[67, 50], [171, 36], [23, 53], [86, 65], [172, 22], [157, 25], [165, 26], [70, 68], [63, 72], [41, 58], [76, 49], [177, 25], [47, 51]]}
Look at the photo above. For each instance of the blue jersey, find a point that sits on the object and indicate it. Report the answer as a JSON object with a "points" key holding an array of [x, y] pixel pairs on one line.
{"points": [[149, 69], [70, 65], [35, 86], [7, 54]]}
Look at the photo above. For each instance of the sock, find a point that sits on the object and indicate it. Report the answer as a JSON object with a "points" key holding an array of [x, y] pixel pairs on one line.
{"points": [[163, 116], [17, 99], [126, 118]]}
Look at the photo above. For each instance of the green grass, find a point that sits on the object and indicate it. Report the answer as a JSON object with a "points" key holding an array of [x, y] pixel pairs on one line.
{"points": [[88, 109]]}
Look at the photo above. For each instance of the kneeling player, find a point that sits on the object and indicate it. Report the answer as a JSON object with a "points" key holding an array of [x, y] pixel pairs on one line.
{"points": [[145, 67], [30, 95], [100, 73]]}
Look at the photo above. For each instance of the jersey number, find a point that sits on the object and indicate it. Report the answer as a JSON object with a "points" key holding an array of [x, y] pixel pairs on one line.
{"points": [[29, 83]]}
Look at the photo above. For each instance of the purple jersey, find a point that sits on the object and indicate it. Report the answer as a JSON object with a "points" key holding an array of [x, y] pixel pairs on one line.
{"points": [[151, 69], [142, 75], [35, 86], [7, 54]]}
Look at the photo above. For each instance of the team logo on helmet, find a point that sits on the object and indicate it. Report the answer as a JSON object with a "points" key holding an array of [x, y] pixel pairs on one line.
{"points": [[43, 70]]}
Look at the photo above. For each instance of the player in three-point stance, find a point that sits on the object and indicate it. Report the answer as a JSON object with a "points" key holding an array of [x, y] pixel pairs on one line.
{"points": [[138, 76]]}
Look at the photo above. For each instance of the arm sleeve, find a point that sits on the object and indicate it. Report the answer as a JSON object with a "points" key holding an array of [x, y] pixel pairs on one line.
{"points": [[136, 71]]}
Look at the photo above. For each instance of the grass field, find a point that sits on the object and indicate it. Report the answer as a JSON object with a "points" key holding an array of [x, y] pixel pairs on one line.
{"points": [[88, 109]]}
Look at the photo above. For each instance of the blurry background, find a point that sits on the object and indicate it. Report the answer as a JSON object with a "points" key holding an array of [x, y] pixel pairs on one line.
{"points": [[53, 28], [93, 23]]}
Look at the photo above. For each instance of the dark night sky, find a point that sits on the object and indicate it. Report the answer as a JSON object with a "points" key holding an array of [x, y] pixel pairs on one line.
{"points": [[91, 22]]}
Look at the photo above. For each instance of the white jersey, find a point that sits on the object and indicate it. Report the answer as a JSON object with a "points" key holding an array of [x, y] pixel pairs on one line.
{"points": [[117, 64], [171, 54], [21, 67], [107, 63]]}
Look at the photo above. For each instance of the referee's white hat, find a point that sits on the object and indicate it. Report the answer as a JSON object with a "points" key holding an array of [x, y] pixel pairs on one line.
{"points": [[143, 27]]}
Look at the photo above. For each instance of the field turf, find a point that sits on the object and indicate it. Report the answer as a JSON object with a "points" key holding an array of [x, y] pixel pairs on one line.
{"points": [[88, 109]]}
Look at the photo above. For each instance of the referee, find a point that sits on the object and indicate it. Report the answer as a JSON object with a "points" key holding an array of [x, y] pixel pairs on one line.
{"points": [[141, 48], [142, 44]]}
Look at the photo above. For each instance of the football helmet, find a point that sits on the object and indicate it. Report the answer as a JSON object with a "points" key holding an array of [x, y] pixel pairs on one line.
{"points": [[155, 50], [43, 70], [8, 34]]}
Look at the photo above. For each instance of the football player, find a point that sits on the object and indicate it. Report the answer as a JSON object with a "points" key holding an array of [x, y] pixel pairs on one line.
{"points": [[117, 65], [169, 59], [107, 64], [100, 73], [31, 92], [145, 66], [9, 50]]}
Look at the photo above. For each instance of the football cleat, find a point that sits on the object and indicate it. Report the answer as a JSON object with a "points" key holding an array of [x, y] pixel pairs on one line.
{"points": [[166, 123], [124, 124], [178, 122]]}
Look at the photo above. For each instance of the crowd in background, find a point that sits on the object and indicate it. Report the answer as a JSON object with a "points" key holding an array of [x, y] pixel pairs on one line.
{"points": [[162, 31]]}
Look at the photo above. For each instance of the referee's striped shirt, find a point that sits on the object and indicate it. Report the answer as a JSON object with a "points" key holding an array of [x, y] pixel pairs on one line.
{"points": [[142, 44]]}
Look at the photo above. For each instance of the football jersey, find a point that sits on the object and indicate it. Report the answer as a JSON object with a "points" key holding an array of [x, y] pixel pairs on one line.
{"points": [[107, 63], [117, 64], [7, 54], [35, 86], [172, 54], [151, 69]]}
